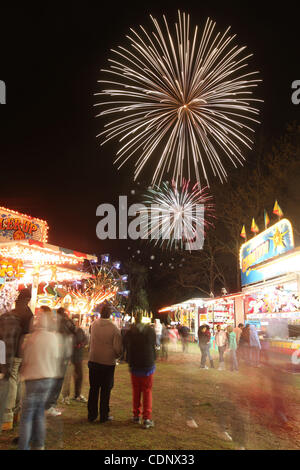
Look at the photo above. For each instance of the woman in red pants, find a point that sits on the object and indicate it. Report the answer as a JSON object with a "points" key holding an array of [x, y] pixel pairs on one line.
{"points": [[140, 342]]}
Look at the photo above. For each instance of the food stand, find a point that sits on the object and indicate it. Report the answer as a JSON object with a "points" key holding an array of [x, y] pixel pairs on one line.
{"points": [[270, 275], [225, 310], [27, 259], [191, 313]]}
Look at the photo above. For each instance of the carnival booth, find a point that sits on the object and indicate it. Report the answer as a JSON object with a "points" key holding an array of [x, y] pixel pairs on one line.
{"points": [[225, 310], [27, 259], [270, 276], [191, 313]]}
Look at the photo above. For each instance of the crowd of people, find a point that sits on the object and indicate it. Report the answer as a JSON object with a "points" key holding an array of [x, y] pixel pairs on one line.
{"points": [[44, 351], [242, 343]]}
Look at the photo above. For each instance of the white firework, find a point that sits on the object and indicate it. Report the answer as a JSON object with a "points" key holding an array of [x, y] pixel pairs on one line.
{"points": [[174, 216], [181, 103]]}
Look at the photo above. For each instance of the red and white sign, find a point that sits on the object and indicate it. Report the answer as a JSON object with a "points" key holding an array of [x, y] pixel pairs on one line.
{"points": [[17, 226]]}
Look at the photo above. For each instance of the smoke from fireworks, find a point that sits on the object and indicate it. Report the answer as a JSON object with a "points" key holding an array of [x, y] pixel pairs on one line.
{"points": [[174, 216], [179, 103]]}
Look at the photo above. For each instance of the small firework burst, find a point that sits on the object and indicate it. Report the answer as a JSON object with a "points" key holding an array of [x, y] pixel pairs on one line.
{"points": [[176, 216]]}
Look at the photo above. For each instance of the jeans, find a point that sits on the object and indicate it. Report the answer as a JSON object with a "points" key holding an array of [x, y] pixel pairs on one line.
{"points": [[53, 396], [142, 386], [66, 388], [13, 398], [32, 424], [185, 343], [78, 376], [101, 379], [205, 353], [233, 360], [4, 387], [221, 353], [254, 356]]}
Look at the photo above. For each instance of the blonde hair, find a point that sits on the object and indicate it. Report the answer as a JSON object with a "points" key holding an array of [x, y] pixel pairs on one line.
{"points": [[229, 329]]}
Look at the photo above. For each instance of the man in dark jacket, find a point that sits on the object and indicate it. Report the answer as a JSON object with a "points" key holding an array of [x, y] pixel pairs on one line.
{"points": [[15, 325], [10, 334], [77, 357], [204, 344], [140, 343], [184, 335], [23, 310]]}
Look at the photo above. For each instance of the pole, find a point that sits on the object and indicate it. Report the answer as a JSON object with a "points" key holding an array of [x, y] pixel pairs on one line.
{"points": [[34, 290]]}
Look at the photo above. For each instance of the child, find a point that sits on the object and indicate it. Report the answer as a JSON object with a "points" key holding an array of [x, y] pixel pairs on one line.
{"points": [[232, 346]]}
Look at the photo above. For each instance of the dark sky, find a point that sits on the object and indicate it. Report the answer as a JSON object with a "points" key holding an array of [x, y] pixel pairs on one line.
{"points": [[52, 165]]}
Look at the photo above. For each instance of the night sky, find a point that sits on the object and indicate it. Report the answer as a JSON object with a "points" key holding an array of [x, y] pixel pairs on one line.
{"points": [[52, 165]]}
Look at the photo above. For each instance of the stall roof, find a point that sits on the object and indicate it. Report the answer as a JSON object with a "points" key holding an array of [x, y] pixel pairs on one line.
{"points": [[196, 300], [37, 252], [225, 297], [48, 275]]}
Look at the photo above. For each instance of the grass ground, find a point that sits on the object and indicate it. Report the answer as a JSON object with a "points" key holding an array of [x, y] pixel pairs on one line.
{"points": [[240, 402]]}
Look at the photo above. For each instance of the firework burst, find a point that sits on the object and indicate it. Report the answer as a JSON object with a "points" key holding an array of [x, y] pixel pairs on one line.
{"points": [[175, 216], [183, 102]]}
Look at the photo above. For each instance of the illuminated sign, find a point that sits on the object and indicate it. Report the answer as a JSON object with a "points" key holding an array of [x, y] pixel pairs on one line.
{"points": [[16, 226], [10, 269], [272, 242]]}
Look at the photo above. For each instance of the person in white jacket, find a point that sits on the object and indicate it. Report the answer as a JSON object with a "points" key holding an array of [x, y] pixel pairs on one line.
{"points": [[41, 353], [221, 342]]}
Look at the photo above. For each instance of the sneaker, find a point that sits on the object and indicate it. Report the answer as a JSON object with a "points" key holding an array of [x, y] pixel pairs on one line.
{"points": [[109, 418], [204, 367], [227, 436], [66, 401], [148, 423], [136, 419], [91, 420], [53, 412], [81, 398]]}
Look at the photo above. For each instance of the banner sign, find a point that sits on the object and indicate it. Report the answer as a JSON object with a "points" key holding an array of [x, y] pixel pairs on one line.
{"points": [[17, 226], [272, 242]]}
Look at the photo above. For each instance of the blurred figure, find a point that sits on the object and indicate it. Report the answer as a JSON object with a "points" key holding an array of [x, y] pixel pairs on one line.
{"points": [[66, 332], [204, 344], [124, 329], [232, 424], [80, 342], [13, 404], [232, 346], [221, 340], [23, 310], [10, 333], [255, 346], [244, 344], [173, 335], [238, 331], [184, 335], [141, 341], [105, 348], [38, 370], [158, 331], [165, 339]]}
